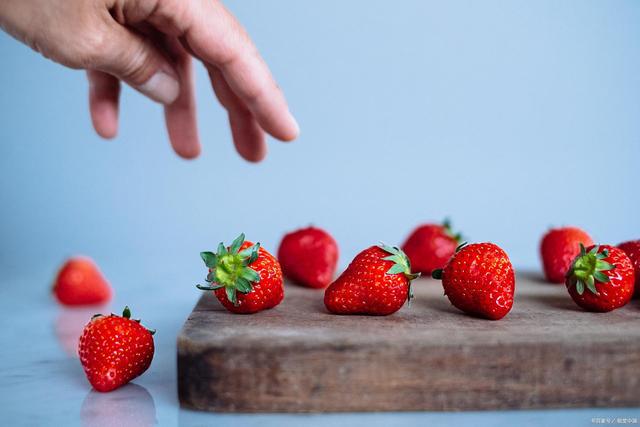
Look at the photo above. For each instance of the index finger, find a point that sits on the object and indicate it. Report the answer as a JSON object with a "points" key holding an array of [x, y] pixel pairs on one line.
{"points": [[217, 38]]}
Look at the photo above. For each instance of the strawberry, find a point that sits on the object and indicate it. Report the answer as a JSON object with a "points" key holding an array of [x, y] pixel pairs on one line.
{"points": [[479, 280], [309, 257], [601, 278], [632, 249], [430, 246], [114, 350], [377, 282], [244, 277], [558, 248], [80, 282]]}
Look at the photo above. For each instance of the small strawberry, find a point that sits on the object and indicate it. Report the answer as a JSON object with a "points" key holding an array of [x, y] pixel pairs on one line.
{"points": [[309, 257], [558, 248], [80, 282], [114, 350], [430, 246], [244, 277], [632, 249], [479, 280], [601, 278], [377, 282]]}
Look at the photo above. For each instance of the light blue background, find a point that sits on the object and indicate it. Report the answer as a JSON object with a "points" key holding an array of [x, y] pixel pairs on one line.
{"points": [[507, 116]]}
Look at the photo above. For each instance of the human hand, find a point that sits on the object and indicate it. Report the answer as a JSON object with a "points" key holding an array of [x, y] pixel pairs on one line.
{"points": [[149, 45]]}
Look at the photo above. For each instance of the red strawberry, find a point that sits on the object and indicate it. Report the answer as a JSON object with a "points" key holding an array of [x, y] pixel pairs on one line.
{"points": [[80, 282], [377, 282], [632, 249], [558, 248], [479, 279], [601, 278], [309, 257], [245, 277], [114, 350], [430, 246]]}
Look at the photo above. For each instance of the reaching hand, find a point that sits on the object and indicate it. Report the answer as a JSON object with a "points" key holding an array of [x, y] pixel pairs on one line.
{"points": [[149, 45]]}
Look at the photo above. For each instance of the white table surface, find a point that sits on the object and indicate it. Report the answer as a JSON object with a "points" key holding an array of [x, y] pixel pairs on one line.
{"points": [[42, 382]]}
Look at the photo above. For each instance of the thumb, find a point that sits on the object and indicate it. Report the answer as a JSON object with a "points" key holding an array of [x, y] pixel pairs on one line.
{"points": [[135, 60]]}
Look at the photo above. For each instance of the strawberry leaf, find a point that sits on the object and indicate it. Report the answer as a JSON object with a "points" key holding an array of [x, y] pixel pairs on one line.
{"points": [[601, 277], [604, 266], [210, 259], [250, 254], [401, 263], [250, 274], [208, 288], [231, 295], [591, 285], [396, 268], [235, 245], [222, 250], [243, 285]]}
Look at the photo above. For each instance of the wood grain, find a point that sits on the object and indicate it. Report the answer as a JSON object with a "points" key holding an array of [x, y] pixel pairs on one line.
{"points": [[547, 353]]}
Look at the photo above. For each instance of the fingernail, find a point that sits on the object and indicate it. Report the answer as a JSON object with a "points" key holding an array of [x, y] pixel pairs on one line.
{"points": [[296, 126], [161, 87]]}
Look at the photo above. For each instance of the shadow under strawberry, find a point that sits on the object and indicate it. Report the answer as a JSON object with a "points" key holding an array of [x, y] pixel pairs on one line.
{"points": [[561, 302]]}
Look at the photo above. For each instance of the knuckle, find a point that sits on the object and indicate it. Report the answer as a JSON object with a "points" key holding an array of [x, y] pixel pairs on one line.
{"points": [[137, 64], [254, 95], [226, 55]]}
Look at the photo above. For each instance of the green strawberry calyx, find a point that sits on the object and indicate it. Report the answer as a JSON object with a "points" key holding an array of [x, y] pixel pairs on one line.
{"points": [[448, 229], [589, 267], [401, 265], [229, 269]]}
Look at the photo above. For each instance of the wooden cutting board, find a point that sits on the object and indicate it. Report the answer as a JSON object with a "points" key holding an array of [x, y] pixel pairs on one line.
{"points": [[547, 353]]}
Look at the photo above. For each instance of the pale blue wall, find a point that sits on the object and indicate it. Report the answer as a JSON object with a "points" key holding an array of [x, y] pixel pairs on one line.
{"points": [[507, 116]]}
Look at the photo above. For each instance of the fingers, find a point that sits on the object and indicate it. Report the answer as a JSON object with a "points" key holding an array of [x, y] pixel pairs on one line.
{"points": [[104, 93], [248, 136], [215, 37], [249, 78], [137, 61], [180, 115], [241, 79], [233, 52]]}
